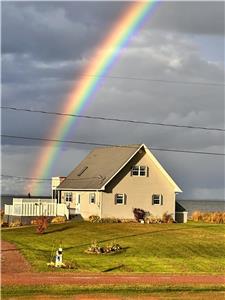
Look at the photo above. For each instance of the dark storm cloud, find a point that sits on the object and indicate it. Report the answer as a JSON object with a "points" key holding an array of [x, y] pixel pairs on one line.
{"points": [[45, 46], [54, 31], [64, 31]]}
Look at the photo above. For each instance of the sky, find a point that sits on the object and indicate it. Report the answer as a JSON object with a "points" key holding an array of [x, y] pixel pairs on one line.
{"points": [[46, 45]]}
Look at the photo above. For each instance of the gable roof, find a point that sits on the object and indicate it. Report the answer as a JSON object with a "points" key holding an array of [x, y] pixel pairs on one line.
{"points": [[101, 165]]}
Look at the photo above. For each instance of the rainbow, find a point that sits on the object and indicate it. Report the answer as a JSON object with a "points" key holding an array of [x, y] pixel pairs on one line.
{"points": [[105, 56]]}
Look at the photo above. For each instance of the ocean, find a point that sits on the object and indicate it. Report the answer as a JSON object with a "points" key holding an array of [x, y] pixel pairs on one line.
{"points": [[202, 205]]}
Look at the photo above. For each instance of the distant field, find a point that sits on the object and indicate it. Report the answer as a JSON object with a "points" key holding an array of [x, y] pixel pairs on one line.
{"points": [[156, 248]]}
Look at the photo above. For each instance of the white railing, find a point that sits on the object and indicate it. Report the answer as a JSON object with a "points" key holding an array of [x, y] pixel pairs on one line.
{"points": [[8, 209], [36, 207]]}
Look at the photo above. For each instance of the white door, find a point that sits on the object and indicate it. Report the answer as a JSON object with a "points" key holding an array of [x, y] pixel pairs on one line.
{"points": [[77, 203]]}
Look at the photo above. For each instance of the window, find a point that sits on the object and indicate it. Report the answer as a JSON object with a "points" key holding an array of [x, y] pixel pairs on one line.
{"points": [[135, 171], [92, 198], [69, 197], [142, 171], [139, 171], [157, 199], [120, 199]]}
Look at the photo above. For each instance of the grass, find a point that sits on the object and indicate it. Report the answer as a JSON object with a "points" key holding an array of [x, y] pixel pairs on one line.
{"points": [[134, 291], [156, 248]]}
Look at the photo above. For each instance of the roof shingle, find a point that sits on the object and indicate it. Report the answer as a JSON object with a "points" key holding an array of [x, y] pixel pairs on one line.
{"points": [[98, 167]]}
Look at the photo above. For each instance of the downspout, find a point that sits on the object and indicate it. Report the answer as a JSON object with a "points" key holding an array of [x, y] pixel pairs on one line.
{"points": [[100, 204]]}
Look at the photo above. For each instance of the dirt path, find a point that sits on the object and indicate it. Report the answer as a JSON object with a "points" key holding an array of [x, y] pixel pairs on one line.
{"points": [[95, 279], [13, 263], [11, 260]]}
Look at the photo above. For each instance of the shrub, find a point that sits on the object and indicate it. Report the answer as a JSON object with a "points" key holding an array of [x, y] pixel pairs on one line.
{"points": [[4, 224], [139, 214], [65, 265], [196, 216], [33, 222], [94, 219], [206, 217], [167, 218], [127, 220], [97, 219], [15, 224], [153, 220], [217, 217], [95, 248], [223, 217], [110, 220], [2, 215], [42, 224], [56, 220], [209, 217]]}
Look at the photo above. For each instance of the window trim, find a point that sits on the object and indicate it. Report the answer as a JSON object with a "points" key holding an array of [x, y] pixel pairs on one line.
{"points": [[160, 197], [138, 169], [90, 198], [123, 199], [68, 196]]}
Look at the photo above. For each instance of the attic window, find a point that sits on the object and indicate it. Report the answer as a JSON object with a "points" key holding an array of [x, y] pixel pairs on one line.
{"points": [[82, 171], [139, 171]]}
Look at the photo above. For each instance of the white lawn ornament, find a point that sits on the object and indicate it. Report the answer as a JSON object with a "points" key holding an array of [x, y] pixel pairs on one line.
{"points": [[58, 258]]}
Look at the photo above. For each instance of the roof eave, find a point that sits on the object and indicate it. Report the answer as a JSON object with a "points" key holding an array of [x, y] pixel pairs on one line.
{"points": [[103, 187], [73, 189]]}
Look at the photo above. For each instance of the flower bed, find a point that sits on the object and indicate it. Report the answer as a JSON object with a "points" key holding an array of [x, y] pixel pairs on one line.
{"points": [[95, 248]]}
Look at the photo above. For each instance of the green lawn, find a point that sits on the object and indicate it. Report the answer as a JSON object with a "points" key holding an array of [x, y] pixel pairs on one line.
{"points": [[156, 248], [107, 291]]}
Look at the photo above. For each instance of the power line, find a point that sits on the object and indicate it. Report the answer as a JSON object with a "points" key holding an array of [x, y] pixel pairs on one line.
{"points": [[110, 145], [159, 80], [114, 119], [25, 178], [48, 179]]}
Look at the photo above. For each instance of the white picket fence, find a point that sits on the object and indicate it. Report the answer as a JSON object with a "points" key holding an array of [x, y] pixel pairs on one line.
{"points": [[36, 207]]}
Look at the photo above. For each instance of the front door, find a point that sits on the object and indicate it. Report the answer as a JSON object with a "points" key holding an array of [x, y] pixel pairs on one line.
{"points": [[77, 207]]}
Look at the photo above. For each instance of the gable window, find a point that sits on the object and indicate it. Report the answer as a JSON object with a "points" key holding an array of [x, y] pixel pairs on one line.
{"points": [[68, 197], [142, 171], [157, 199], [139, 171], [120, 199], [92, 198]]}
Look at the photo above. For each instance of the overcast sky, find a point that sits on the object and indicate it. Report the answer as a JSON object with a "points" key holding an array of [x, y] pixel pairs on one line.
{"points": [[45, 46]]}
